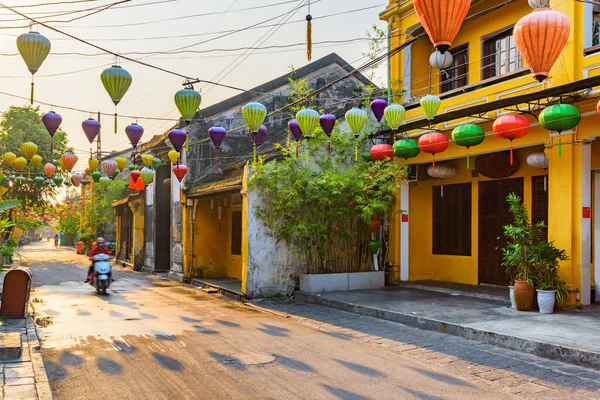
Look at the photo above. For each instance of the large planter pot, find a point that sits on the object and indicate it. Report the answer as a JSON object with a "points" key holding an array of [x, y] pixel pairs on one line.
{"points": [[524, 294], [512, 296], [5, 260], [318, 283], [546, 300]]}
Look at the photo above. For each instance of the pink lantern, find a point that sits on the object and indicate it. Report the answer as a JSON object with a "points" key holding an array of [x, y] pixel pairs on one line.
{"points": [[109, 167]]}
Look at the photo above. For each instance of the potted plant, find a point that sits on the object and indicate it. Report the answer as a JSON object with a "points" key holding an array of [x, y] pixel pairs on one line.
{"points": [[6, 251], [550, 288], [522, 237]]}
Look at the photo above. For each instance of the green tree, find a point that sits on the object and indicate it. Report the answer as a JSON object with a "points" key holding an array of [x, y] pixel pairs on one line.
{"points": [[22, 124]]}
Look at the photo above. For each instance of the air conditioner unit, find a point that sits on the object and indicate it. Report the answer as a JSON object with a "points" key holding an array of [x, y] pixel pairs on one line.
{"points": [[413, 173]]}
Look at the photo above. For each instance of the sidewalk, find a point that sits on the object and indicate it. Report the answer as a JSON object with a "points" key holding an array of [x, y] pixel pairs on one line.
{"points": [[569, 336]]}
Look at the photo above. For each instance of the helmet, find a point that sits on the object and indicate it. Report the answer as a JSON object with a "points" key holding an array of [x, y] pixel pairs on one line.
{"points": [[100, 240]]}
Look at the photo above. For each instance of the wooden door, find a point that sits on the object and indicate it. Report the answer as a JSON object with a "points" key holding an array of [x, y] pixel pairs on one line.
{"points": [[539, 209], [493, 216]]}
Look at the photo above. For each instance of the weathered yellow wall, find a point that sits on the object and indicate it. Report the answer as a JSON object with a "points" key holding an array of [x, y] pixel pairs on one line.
{"points": [[137, 208]]}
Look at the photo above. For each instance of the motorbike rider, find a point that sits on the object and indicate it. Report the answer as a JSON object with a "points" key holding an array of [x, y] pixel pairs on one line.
{"points": [[100, 248], [56, 240]]}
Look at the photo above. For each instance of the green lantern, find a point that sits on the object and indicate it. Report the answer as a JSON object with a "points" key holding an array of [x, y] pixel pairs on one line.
{"points": [[58, 180], [559, 117], [308, 119], [156, 163], [116, 81], [104, 181], [147, 175], [356, 120], [394, 115], [187, 101], [367, 156], [12, 177], [53, 185], [115, 174], [96, 176], [29, 180], [67, 183], [84, 182], [406, 148], [374, 246], [468, 135], [20, 180], [133, 167], [254, 114], [34, 48], [46, 181], [431, 105]]}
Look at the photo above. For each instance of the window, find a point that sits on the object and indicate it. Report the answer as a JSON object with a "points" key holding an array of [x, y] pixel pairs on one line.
{"points": [[452, 220], [236, 233], [596, 25], [456, 75], [500, 55], [539, 189]]}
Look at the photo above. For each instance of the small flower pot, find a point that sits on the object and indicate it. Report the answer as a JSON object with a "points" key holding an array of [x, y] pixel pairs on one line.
{"points": [[512, 296], [546, 300], [524, 294]]}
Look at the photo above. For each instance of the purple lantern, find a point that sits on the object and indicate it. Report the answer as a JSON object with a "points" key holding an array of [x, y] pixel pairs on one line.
{"points": [[296, 132], [217, 134], [177, 138], [134, 133], [51, 121], [327, 122], [378, 107], [260, 135], [91, 128]]}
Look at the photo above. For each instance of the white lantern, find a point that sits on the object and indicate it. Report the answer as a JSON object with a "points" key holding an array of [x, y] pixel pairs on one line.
{"points": [[537, 159], [441, 61], [539, 4], [442, 171]]}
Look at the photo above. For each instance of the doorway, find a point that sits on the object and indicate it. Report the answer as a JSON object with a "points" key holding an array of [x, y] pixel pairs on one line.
{"points": [[162, 228], [493, 216]]}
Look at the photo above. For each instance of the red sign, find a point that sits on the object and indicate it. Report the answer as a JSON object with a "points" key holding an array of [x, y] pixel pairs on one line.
{"points": [[587, 212], [404, 217]]}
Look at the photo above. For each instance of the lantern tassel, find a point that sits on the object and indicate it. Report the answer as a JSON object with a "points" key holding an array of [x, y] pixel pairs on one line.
{"points": [[308, 37], [356, 152], [297, 147], [115, 122], [307, 153], [468, 161], [31, 94], [442, 190], [559, 146], [255, 155], [329, 148], [217, 165], [433, 165], [511, 155], [379, 131], [545, 184]]}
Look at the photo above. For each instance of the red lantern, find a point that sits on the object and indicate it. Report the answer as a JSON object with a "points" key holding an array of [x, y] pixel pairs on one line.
{"points": [[374, 226], [381, 152], [598, 107], [511, 127], [433, 143], [180, 170]]}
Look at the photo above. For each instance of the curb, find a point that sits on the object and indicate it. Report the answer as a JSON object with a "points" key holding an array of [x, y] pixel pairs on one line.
{"points": [[42, 385], [547, 350]]}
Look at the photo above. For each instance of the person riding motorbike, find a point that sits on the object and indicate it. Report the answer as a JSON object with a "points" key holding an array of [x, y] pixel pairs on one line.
{"points": [[100, 248], [56, 240]]}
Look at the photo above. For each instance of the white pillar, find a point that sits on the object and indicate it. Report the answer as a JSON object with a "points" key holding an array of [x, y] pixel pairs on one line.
{"points": [[404, 193], [597, 234], [586, 222], [407, 72]]}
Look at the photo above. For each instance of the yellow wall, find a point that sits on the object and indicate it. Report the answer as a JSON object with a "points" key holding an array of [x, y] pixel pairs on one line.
{"points": [[137, 208], [212, 239]]}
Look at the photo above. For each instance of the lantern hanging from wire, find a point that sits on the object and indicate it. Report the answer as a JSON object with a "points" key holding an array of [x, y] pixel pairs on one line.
{"points": [[254, 114], [147, 160], [381, 152], [442, 172], [20, 163], [58, 180], [216, 134], [559, 118], [177, 137], [69, 160], [91, 128], [259, 137], [156, 163], [34, 48], [51, 121], [121, 162], [538, 159], [39, 181], [356, 120], [147, 175], [406, 148], [93, 163], [179, 170], [9, 158], [441, 61], [394, 115], [442, 19], [104, 181], [29, 149], [327, 122], [96, 176], [431, 105], [135, 174], [116, 81], [109, 167], [187, 101], [173, 156], [433, 143], [540, 37], [378, 107], [468, 135], [511, 127], [76, 179], [308, 120], [134, 133], [296, 133], [49, 169], [36, 160]]}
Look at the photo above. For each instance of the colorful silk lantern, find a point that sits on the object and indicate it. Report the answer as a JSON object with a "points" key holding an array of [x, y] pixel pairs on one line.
{"points": [[216, 134], [374, 246], [327, 122], [511, 127], [431, 105], [308, 120], [296, 133], [76, 179], [173, 156], [559, 118], [442, 172], [442, 19], [9, 158], [356, 120], [134, 133], [258, 138], [538, 159], [187, 101], [29, 149], [468, 135], [69, 160], [177, 137], [381, 152], [156, 163], [67, 183], [51, 121], [109, 167], [540, 37], [134, 175], [394, 115], [38, 180], [34, 48], [36, 161], [84, 182], [147, 159], [433, 143], [93, 163], [20, 163], [254, 114], [147, 175], [115, 174], [441, 61], [58, 180], [116, 81], [133, 167], [121, 162], [91, 128], [378, 107], [104, 181], [406, 148], [179, 171]]}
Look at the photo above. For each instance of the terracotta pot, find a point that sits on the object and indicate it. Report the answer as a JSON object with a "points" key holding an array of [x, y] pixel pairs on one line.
{"points": [[524, 294]]}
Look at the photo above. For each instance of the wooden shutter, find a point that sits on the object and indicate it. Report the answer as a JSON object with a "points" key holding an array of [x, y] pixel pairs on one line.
{"points": [[452, 220], [236, 233], [540, 203]]}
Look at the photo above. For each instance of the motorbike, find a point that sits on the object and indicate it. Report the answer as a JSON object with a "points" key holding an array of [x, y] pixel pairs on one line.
{"points": [[102, 273]]}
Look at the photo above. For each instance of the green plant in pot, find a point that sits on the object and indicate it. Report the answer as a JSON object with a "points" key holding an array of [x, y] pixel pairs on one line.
{"points": [[523, 237], [550, 288]]}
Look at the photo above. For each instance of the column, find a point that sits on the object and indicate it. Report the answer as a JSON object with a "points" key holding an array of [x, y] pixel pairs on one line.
{"points": [[586, 223], [404, 268], [597, 234]]}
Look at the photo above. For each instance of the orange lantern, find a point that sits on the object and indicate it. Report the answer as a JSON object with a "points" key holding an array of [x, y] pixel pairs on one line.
{"points": [[69, 160], [541, 37], [442, 19]]}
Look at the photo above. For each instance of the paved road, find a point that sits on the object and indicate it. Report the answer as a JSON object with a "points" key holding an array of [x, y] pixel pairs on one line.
{"points": [[154, 339]]}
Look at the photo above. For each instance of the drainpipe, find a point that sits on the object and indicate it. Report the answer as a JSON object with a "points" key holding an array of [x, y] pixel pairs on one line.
{"points": [[389, 64]]}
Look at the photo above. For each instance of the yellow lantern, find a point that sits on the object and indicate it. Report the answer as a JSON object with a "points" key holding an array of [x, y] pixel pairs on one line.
{"points": [[173, 156], [147, 159], [93, 163], [9, 158], [121, 162], [29, 149], [20, 163], [36, 160]]}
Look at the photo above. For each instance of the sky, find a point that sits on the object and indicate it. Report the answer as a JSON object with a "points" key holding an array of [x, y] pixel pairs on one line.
{"points": [[73, 80]]}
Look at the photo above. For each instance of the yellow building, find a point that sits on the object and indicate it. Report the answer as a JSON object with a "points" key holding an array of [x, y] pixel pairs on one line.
{"points": [[455, 235]]}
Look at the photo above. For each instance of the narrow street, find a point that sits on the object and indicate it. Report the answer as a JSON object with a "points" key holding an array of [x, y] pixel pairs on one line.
{"points": [[150, 338]]}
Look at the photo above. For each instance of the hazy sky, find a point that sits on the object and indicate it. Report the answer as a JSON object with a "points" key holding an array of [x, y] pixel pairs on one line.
{"points": [[74, 79]]}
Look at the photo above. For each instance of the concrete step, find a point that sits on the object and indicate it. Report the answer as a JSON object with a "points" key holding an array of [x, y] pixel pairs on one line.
{"points": [[475, 292], [10, 346]]}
